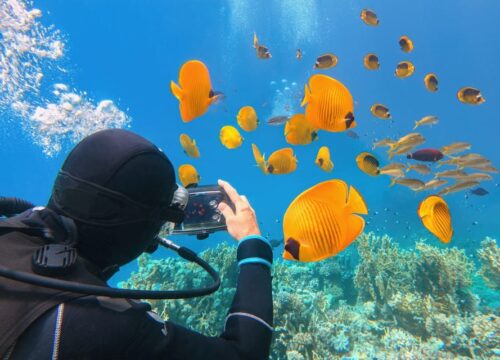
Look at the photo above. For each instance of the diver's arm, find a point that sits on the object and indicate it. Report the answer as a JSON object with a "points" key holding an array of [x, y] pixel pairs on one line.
{"points": [[250, 318], [248, 327]]}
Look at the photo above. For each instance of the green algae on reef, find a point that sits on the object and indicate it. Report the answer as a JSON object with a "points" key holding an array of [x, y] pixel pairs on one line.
{"points": [[380, 301]]}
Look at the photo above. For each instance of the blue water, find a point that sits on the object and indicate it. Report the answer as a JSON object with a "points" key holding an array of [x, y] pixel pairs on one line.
{"points": [[128, 51]]}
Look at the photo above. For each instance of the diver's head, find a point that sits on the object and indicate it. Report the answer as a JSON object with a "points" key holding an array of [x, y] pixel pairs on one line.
{"points": [[118, 188]]}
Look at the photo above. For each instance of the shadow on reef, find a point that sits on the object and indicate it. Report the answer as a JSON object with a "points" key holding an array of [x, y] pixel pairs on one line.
{"points": [[382, 303]]}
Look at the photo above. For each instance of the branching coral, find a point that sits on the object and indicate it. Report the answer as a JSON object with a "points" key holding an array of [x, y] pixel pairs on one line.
{"points": [[442, 272], [489, 255], [417, 289], [384, 268]]}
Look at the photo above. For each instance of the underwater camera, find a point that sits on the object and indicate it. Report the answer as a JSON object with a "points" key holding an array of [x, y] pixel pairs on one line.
{"points": [[201, 217], [201, 213]]}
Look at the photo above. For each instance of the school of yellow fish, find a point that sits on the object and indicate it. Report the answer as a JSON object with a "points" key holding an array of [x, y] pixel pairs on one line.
{"points": [[324, 219]]}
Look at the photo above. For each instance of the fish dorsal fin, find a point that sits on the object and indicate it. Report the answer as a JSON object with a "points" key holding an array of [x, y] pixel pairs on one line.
{"points": [[307, 96], [319, 81], [258, 156], [356, 203], [332, 191], [194, 74], [288, 152], [176, 90]]}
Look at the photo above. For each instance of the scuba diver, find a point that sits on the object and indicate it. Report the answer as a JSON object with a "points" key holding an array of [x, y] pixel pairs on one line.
{"points": [[113, 195]]}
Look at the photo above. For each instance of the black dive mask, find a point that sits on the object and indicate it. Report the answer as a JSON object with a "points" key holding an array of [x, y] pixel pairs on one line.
{"points": [[93, 204]]}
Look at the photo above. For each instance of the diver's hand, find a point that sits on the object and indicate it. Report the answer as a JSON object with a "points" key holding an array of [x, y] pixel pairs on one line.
{"points": [[242, 222]]}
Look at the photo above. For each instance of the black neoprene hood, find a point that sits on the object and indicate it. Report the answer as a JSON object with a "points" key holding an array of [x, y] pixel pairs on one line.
{"points": [[111, 177], [117, 187]]}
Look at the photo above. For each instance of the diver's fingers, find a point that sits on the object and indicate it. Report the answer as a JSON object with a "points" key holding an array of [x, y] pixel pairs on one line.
{"points": [[231, 193], [226, 210]]}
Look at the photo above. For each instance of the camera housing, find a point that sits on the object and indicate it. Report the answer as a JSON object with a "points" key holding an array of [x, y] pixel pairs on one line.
{"points": [[202, 215]]}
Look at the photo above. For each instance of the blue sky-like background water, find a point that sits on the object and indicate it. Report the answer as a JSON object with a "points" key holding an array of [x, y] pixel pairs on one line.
{"points": [[128, 51]]}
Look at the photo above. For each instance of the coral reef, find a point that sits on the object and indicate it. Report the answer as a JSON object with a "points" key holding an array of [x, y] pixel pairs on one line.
{"points": [[489, 256], [379, 275], [383, 303]]}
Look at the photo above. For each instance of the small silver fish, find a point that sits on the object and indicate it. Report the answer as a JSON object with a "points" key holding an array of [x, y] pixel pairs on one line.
{"points": [[449, 174], [420, 168], [426, 120], [383, 142], [455, 148], [484, 167], [475, 176], [413, 184], [277, 120], [393, 172], [434, 183], [402, 150], [392, 166], [458, 187]]}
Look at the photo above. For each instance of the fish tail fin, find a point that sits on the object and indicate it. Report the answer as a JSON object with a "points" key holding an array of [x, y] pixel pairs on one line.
{"points": [[416, 125], [393, 182], [176, 90], [255, 40], [392, 146], [356, 203], [391, 155], [307, 96]]}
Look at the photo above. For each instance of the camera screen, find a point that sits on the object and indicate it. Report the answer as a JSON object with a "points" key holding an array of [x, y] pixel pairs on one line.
{"points": [[202, 213]]}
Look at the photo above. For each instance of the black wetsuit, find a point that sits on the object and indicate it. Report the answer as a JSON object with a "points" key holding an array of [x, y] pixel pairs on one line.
{"points": [[103, 328]]}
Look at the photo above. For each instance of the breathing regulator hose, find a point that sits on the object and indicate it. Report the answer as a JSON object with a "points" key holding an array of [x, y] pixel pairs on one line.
{"points": [[10, 206]]}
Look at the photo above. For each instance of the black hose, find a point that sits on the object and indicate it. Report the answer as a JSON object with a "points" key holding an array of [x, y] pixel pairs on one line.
{"points": [[121, 293], [114, 292], [10, 206]]}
